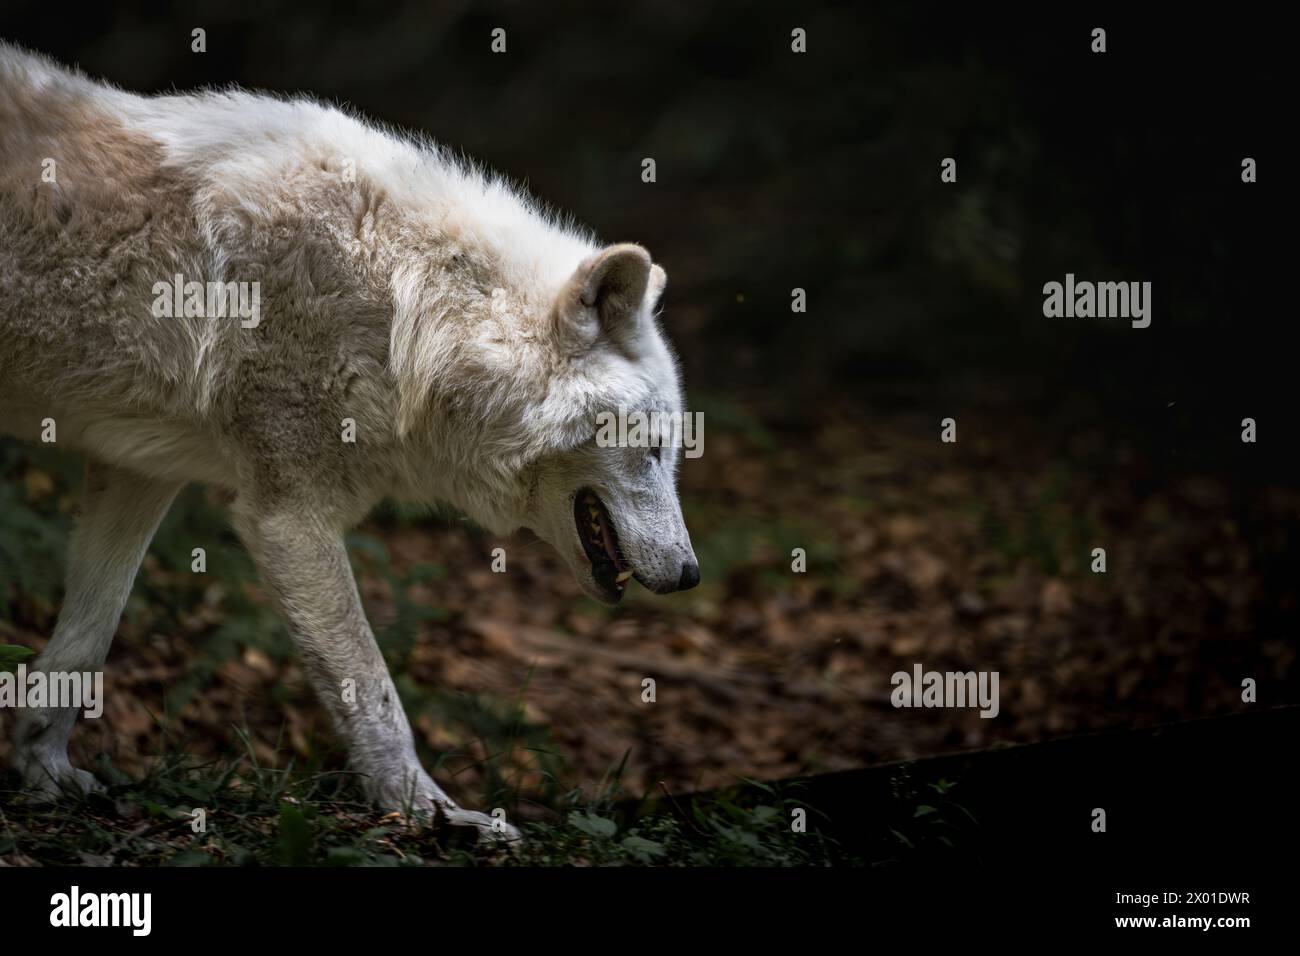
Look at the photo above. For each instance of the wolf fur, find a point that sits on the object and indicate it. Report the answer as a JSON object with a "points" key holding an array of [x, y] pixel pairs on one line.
{"points": [[469, 336]]}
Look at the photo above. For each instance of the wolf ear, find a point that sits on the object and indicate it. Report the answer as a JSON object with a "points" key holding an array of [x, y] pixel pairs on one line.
{"points": [[655, 290], [605, 296]]}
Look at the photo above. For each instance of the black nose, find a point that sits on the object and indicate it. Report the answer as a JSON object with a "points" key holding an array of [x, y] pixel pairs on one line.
{"points": [[690, 576]]}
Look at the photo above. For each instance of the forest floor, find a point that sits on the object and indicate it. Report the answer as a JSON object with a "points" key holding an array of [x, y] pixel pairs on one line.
{"points": [[969, 556]]}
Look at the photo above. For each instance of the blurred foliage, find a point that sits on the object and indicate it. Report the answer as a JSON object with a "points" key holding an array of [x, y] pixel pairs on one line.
{"points": [[33, 523], [821, 171]]}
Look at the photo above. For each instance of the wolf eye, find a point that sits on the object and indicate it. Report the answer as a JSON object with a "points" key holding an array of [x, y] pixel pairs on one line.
{"points": [[656, 453]]}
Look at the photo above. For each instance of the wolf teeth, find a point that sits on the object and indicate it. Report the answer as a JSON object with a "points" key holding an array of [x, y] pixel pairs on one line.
{"points": [[623, 576]]}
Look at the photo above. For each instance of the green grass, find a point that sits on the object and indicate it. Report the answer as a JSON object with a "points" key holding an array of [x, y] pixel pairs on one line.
{"points": [[259, 816]]}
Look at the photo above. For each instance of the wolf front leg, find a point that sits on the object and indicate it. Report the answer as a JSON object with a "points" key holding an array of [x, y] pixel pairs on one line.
{"points": [[119, 514], [302, 558]]}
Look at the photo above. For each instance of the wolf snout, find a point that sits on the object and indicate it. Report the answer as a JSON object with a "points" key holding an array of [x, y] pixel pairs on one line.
{"points": [[685, 577]]}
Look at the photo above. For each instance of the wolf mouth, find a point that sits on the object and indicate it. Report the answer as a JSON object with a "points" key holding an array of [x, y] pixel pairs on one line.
{"points": [[609, 569]]}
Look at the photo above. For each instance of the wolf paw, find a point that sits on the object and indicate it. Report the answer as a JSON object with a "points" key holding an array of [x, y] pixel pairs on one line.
{"points": [[490, 829], [48, 781], [430, 806]]}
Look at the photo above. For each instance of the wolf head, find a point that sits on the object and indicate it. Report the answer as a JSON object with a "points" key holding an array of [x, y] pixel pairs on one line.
{"points": [[507, 381], [612, 510]]}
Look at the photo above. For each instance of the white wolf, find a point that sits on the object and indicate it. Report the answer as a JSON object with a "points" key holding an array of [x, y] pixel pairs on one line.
{"points": [[462, 338]]}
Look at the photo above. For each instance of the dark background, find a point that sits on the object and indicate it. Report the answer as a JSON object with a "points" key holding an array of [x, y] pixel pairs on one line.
{"points": [[821, 171]]}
